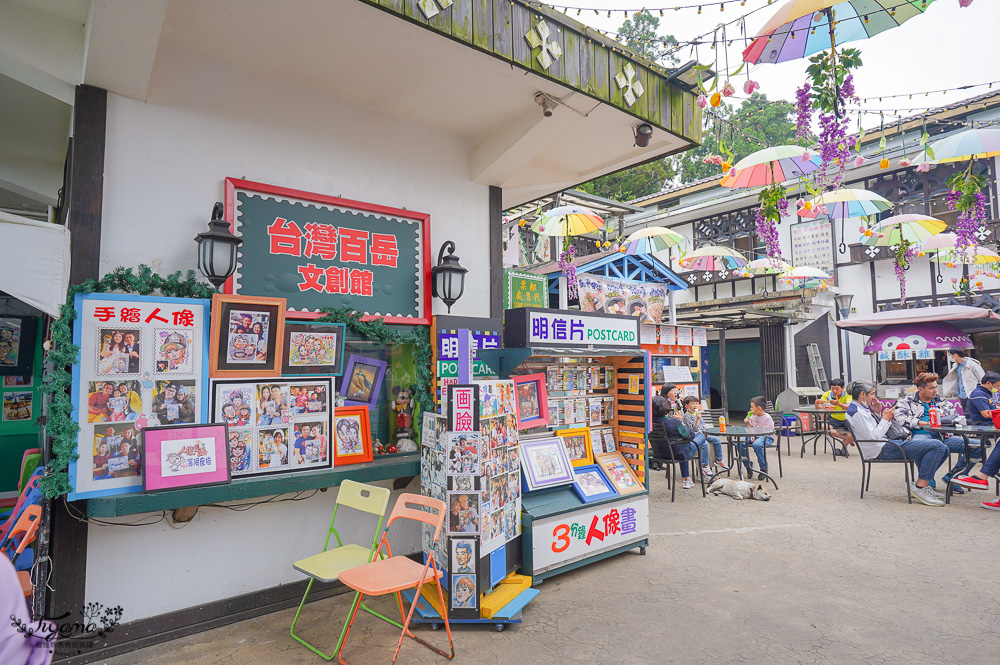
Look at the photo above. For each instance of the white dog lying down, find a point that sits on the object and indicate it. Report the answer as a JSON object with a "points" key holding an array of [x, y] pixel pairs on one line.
{"points": [[738, 489]]}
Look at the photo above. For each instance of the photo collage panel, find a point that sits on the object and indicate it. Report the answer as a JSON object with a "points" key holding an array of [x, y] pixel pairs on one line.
{"points": [[500, 496], [434, 482], [276, 425], [141, 365]]}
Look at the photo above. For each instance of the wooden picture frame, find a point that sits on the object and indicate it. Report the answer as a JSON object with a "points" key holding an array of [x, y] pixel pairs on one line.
{"points": [[232, 350], [345, 441], [531, 400], [586, 483], [183, 456], [620, 473], [313, 349], [361, 384], [572, 439]]}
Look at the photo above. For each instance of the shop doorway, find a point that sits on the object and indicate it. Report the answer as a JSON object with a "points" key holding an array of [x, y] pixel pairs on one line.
{"points": [[743, 373]]}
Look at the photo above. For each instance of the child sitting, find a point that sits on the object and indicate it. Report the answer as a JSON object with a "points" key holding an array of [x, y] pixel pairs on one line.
{"points": [[757, 418], [695, 423]]}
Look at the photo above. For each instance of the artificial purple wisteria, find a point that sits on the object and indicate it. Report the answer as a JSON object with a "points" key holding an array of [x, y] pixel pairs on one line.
{"points": [[803, 112], [568, 269]]}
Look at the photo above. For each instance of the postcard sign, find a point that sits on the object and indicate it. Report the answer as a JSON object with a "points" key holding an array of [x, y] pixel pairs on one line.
{"points": [[322, 251], [555, 327]]}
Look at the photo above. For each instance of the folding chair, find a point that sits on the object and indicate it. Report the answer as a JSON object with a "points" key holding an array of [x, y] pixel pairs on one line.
{"points": [[396, 573], [329, 564], [23, 534], [909, 468]]}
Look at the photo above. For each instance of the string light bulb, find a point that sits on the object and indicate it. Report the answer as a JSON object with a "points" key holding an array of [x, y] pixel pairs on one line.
{"points": [[699, 9]]}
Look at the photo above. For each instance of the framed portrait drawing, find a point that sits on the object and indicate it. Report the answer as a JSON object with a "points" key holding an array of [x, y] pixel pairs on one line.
{"points": [[352, 435], [313, 349], [463, 565], [590, 484], [620, 473], [247, 337], [362, 381], [179, 456], [143, 363], [544, 463], [577, 442], [17, 345], [531, 399], [275, 426]]}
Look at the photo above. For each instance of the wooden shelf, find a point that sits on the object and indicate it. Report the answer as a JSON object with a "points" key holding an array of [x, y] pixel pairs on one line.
{"points": [[401, 466]]}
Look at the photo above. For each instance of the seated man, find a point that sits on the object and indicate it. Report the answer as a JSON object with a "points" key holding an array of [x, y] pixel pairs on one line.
{"points": [[980, 480], [980, 411], [836, 398], [871, 429], [913, 413]]}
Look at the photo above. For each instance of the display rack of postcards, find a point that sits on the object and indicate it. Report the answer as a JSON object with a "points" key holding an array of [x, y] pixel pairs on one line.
{"points": [[583, 422]]}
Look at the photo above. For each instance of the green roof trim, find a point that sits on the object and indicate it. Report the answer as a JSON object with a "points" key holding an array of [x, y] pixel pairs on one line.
{"points": [[540, 40]]}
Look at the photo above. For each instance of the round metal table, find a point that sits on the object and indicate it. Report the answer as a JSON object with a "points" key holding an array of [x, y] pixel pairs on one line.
{"points": [[741, 432]]}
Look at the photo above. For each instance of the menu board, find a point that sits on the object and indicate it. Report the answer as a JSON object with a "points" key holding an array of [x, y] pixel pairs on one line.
{"points": [[700, 337], [683, 336], [812, 244], [668, 334]]}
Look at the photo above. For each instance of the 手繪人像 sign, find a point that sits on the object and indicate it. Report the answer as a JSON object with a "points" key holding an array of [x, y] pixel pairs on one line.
{"points": [[322, 251]]}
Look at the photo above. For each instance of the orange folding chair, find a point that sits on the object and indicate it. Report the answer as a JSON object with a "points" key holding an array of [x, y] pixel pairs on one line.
{"points": [[396, 573], [23, 533]]}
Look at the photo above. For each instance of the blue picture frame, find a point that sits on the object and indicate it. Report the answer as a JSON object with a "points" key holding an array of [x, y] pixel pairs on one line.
{"points": [[588, 494], [371, 386], [86, 431]]}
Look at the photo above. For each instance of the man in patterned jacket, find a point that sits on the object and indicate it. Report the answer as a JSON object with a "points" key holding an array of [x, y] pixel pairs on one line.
{"points": [[913, 413]]}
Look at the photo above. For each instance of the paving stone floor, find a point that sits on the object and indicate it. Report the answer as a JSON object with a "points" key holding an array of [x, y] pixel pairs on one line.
{"points": [[816, 575]]}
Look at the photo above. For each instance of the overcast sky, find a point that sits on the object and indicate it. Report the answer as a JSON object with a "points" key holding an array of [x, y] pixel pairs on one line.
{"points": [[945, 47]]}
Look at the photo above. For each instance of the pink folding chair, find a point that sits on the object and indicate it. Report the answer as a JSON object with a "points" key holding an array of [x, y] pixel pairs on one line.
{"points": [[396, 573]]}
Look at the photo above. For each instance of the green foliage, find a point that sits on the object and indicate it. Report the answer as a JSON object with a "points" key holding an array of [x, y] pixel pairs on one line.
{"points": [[64, 354], [377, 331], [967, 185], [770, 199], [632, 183], [827, 71], [766, 123], [639, 34]]}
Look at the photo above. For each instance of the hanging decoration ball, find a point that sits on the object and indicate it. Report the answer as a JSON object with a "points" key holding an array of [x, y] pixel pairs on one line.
{"points": [[716, 99], [883, 163]]}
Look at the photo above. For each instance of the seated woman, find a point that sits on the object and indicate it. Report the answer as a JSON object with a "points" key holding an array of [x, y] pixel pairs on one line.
{"points": [[662, 411]]}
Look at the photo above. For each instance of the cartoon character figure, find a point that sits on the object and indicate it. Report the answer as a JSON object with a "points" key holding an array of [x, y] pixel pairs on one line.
{"points": [[176, 461]]}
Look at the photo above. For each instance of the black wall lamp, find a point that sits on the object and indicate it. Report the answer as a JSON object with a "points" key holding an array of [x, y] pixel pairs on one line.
{"points": [[448, 276], [217, 249]]}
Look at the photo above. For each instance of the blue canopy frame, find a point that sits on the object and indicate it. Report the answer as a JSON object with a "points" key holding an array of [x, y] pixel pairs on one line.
{"points": [[642, 268]]}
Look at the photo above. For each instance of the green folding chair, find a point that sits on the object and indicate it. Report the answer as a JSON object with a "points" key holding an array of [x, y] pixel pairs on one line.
{"points": [[330, 563]]}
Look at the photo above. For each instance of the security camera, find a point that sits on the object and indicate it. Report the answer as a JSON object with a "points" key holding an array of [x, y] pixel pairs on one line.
{"points": [[643, 133], [546, 102]]}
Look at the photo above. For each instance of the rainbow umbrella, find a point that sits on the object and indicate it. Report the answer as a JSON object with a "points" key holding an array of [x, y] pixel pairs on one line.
{"points": [[713, 257], [805, 272], [651, 239], [970, 144], [771, 165], [802, 27], [945, 251], [846, 203], [766, 266], [567, 221], [913, 229]]}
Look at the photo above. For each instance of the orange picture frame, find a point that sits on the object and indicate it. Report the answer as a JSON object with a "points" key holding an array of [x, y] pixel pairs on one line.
{"points": [[573, 439], [247, 337], [351, 437]]}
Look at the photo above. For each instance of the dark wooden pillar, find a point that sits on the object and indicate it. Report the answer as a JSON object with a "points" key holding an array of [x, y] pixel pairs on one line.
{"points": [[496, 253], [84, 189], [723, 390]]}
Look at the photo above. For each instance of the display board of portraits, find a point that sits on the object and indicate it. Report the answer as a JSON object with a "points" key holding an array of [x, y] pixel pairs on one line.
{"points": [[275, 426], [143, 363], [17, 345]]}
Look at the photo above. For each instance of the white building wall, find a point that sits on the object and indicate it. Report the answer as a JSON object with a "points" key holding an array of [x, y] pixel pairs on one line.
{"points": [[165, 166]]}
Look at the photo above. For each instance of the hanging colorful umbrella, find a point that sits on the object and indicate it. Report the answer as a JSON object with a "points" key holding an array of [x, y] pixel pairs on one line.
{"points": [[911, 228], [805, 272], [770, 165], [970, 144], [766, 266], [567, 221], [802, 27], [713, 257], [846, 203], [975, 255], [652, 239]]}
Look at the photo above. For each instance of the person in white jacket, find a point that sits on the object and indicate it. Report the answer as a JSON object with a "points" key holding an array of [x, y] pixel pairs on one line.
{"points": [[870, 431], [963, 377]]}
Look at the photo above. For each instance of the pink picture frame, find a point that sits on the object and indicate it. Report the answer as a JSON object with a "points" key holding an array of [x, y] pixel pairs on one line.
{"points": [[183, 456], [531, 400]]}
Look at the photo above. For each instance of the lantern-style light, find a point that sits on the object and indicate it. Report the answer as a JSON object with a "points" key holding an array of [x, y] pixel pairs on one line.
{"points": [[217, 249], [843, 301], [448, 276]]}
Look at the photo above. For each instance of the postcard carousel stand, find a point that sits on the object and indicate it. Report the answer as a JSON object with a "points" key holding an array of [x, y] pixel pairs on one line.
{"points": [[561, 532]]}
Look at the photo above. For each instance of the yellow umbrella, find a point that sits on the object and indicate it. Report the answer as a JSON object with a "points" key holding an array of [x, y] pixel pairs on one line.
{"points": [[567, 221]]}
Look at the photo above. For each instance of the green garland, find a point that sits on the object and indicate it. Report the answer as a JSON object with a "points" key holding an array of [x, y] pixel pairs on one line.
{"points": [[377, 330], [64, 354], [57, 382]]}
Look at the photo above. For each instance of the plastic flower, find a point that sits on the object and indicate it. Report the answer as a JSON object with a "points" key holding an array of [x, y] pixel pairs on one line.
{"points": [[807, 155], [728, 90], [859, 161], [808, 205], [954, 280], [716, 99], [621, 249], [923, 167], [702, 101], [732, 172], [725, 166], [541, 228], [750, 86], [883, 163], [964, 3], [904, 162], [823, 210], [868, 233], [920, 253]]}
